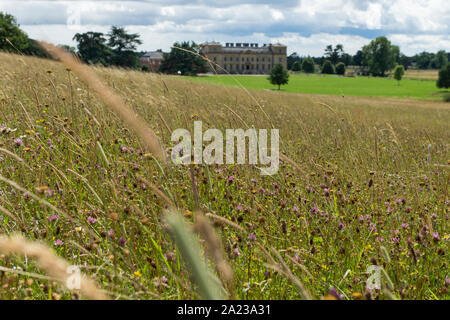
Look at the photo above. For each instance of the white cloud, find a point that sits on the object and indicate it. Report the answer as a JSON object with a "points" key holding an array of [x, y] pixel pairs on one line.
{"points": [[304, 25]]}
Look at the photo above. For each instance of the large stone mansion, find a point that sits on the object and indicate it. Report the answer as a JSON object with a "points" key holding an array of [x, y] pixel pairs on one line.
{"points": [[245, 58]]}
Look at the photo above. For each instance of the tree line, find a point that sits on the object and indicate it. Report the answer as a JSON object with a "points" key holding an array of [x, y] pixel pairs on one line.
{"points": [[376, 58]]}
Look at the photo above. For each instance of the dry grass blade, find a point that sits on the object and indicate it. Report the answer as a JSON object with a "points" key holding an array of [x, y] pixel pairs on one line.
{"points": [[53, 265], [214, 248], [208, 284], [16, 157], [111, 99]]}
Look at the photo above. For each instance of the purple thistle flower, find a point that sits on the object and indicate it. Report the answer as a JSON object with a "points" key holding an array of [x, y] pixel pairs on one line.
{"points": [[58, 242], [237, 252], [341, 226], [295, 209], [239, 208], [333, 292], [252, 237], [122, 241], [309, 189], [53, 217], [314, 210], [396, 240], [18, 142], [92, 220], [404, 225], [436, 237], [230, 179]]}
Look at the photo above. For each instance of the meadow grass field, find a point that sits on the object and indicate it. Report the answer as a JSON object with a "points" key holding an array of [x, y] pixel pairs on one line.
{"points": [[363, 182], [335, 85]]}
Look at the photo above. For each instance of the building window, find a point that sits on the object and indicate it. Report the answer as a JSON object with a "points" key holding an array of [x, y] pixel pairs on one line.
{"points": [[281, 59], [231, 58]]}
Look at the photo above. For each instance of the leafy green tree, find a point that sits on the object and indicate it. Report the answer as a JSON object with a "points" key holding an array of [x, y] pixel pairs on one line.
{"points": [[184, 60], [296, 66], [380, 56], [444, 77], [12, 38], [340, 68], [358, 58], [347, 59], [334, 54], [423, 60], [440, 60], [292, 59], [308, 65], [124, 45], [92, 48], [399, 71], [328, 67], [405, 61], [279, 76]]}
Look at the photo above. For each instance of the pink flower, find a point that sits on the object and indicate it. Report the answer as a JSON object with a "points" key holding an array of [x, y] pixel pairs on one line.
{"points": [[122, 241], [18, 142], [92, 220], [58, 242], [53, 217], [436, 237]]}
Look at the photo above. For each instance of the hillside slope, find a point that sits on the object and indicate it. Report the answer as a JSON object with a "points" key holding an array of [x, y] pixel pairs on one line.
{"points": [[369, 186]]}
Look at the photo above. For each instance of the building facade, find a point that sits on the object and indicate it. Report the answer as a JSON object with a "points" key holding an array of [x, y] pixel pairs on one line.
{"points": [[152, 60], [244, 58]]}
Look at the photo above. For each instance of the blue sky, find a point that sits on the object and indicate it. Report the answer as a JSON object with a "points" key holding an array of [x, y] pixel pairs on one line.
{"points": [[306, 26]]}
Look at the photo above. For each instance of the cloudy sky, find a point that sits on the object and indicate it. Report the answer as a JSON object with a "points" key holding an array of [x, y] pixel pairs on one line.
{"points": [[306, 26]]}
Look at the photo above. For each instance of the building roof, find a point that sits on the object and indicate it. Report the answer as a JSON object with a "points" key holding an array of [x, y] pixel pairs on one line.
{"points": [[156, 55]]}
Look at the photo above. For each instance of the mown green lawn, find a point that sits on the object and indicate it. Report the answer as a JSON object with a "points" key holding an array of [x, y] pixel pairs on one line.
{"points": [[334, 85]]}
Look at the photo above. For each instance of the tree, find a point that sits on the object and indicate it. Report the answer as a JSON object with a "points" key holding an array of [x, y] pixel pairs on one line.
{"points": [[405, 61], [183, 61], [120, 40], [423, 60], [380, 56], [308, 65], [292, 59], [327, 67], [279, 76], [340, 68], [92, 48], [347, 59], [399, 71], [358, 58], [444, 77], [440, 60], [12, 38], [296, 66], [334, 55], [123, 44]]}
